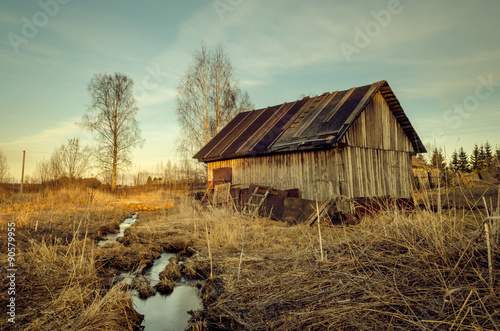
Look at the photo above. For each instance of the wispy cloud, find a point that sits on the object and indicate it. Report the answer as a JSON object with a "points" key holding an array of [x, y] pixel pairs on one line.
{"points": [[54, 136], [160, 95]]}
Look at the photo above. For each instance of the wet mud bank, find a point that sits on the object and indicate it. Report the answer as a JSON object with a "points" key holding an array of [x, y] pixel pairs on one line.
{"points": [[112, 237]]}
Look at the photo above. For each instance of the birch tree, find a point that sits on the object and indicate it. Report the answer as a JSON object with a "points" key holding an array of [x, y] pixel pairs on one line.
{"points": [[111, 116], [208, 97]]}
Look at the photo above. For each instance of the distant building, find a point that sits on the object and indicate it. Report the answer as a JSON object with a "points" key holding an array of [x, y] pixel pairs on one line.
{"points": [[355, 143]]}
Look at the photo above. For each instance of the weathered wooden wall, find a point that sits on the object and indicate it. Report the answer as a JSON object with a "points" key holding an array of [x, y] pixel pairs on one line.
{"points": [[375, 162], [353, 172]]}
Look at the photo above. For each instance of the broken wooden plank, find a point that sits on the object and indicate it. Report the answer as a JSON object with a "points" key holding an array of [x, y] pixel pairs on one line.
{"points": [[222, 193], [323, 209], [206, 192]]}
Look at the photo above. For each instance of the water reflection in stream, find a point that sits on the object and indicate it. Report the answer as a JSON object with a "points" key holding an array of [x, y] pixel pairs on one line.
{"points": [[167, 312], [152, 273]]}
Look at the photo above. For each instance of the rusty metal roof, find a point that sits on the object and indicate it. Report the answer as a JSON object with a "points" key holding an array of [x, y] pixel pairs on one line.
{"points": [[311, 123]]}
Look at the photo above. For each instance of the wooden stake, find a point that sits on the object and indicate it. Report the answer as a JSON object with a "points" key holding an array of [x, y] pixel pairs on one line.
{"points": [[209, 250], [241, 254], [439, 197], [22, 173], [488, 244], [319, 231]]}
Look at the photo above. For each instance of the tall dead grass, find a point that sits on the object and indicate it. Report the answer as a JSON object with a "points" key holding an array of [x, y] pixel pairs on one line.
{"points": [[60, 278], [391, 272], [58, 288]]}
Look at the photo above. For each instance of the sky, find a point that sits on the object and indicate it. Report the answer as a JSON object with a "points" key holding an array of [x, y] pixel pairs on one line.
{"points": [[441, 58]]}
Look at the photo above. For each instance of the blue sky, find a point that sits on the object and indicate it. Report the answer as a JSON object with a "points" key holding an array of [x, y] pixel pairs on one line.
{"points": [[442, 59]]}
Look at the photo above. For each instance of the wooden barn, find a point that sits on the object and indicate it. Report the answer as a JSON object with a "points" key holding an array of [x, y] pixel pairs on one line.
{"points": [[355, 143]]}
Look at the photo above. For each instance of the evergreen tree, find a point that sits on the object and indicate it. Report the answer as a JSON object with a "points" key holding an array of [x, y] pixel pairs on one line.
{"points": [[488, 156], [437, 159], [475, 161], [482, 158], [455, 163], [463, 161]]}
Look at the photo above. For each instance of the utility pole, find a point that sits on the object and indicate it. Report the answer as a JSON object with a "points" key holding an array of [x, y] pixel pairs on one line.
{"points": [[22, 174]]}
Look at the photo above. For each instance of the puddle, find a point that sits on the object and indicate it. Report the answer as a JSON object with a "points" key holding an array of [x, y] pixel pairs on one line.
{"points": [[167, 312], [123, 226]]}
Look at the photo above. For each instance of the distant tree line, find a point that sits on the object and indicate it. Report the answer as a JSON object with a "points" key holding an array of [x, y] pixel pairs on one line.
{"points": [[184, 174], [482, 158], [66, 164]]}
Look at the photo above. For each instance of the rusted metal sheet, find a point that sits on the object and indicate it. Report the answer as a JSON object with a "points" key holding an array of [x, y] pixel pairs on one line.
{"points": [[370, 206], [312, 123], [297, 210], [222, 175]]}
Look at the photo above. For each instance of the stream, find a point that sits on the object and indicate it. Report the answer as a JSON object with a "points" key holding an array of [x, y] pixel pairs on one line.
{"points": [[111, 237], [167, 312], [161, 312]]}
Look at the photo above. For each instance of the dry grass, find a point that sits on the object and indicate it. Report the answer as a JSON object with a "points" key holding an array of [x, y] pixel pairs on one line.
{"points": [[424, 271], [62, 278], [391, 272], [59, 288], [172, 270]]}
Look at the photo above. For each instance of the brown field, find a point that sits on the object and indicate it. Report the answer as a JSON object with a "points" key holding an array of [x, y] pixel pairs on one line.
{"points": [[421, 271]]}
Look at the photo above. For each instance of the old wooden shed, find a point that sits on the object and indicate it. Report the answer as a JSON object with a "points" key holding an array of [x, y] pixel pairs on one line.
{"points": [[355, 143]]}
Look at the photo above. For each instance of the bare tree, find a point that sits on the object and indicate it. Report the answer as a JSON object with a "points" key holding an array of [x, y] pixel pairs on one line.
{"points": [[72, 160], [69, 161], [4, 169], [42, 173], [208, 97], [111, 116]]}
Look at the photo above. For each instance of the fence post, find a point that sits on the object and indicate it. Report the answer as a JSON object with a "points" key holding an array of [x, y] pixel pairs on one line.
{"points": [[22, 173]]}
